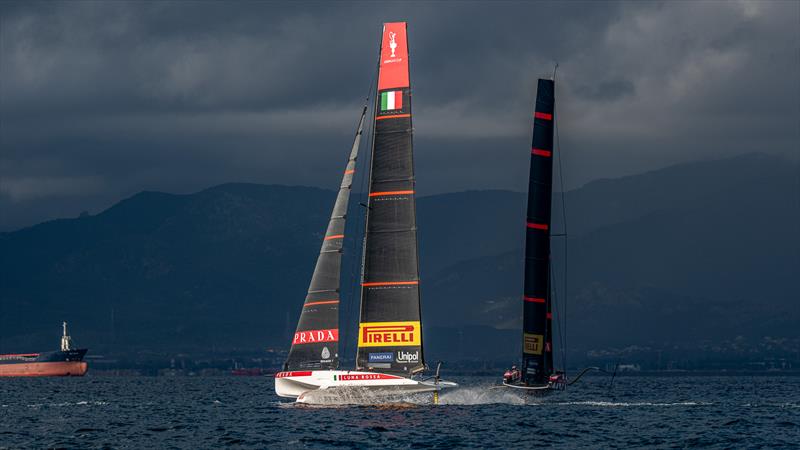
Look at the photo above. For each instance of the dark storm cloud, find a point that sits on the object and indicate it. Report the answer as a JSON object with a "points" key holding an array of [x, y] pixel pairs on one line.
{"points": [[99, 100]]}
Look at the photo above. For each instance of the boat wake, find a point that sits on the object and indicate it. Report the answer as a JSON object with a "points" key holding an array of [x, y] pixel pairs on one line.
{"points": [[483, 395], [65, 404], [630, 404], [475, 395]]}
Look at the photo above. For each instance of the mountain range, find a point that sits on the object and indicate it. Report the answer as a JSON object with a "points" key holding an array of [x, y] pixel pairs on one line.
{"points": [[693, 254]]}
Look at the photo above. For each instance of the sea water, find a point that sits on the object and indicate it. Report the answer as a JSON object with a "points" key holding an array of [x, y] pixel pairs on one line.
{"points": [[185, 412]]}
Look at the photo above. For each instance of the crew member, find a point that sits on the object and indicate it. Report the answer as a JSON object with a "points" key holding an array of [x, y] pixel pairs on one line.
{"points": [[512, 375]]}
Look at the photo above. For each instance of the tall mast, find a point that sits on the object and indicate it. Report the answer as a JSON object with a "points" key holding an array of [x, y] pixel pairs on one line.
{"points": [[390, 333], [537, 344], [316, 341]]}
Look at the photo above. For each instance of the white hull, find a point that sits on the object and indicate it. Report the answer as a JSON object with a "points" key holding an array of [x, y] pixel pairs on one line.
{"points": [[543, 387], [347, 386], [550, 386]]}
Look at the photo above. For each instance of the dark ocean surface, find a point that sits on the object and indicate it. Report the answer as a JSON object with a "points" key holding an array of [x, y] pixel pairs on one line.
{"points": [[638, 411]]}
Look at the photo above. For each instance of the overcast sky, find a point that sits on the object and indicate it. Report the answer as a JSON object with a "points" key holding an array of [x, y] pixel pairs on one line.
{"points": [[100, 100]]}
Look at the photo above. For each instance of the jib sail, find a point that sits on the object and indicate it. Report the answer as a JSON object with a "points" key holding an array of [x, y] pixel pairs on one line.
{"points": [[389, 334], [537, 361], [316, 342]]}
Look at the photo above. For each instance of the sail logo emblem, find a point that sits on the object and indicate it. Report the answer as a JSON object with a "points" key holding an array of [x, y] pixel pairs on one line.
{"points": [[380, 357], [407, 357], [364, 376], [391, 100], [389, 334], [392, 51], [325, 353], [314, 336], [392, 43], [532, 343]]}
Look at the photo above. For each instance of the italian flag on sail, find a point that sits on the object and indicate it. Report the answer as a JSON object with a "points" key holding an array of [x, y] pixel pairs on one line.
{"points": [[391, 100]]}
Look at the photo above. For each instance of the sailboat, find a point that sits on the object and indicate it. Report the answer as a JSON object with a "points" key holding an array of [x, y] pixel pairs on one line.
{"points": [[537, 371], [389, 358]]}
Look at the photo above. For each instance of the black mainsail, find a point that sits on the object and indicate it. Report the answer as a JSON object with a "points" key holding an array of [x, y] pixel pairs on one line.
{"points": [[537, 348], [316, 341], [390, 335]]}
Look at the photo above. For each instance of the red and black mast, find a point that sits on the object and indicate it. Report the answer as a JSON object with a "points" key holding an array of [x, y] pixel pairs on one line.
{"points": [[537, 347]]}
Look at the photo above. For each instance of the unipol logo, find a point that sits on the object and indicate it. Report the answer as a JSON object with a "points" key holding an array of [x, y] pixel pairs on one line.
{"points": [[392, 42], [313, 336], [407, 357], [389, 334]]}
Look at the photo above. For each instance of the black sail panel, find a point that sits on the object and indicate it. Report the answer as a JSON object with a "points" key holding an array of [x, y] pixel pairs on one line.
{"points": [[316, 341], [390, 333], [537, 315]]}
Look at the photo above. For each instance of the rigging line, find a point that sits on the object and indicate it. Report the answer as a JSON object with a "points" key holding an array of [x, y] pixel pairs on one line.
{"points": [[414, 209], [366, 184], [359, 225], [554, 302], [563, 218], [345, 322], [582, 373], [614, 375]]}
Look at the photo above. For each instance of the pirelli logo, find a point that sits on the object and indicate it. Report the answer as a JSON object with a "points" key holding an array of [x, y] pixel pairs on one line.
{"points": [[388, 334], [532, 344]]}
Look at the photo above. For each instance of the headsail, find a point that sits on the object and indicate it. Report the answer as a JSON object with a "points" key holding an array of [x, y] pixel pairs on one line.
{"points": [[316, 341], [389, 334], [537, 361]]}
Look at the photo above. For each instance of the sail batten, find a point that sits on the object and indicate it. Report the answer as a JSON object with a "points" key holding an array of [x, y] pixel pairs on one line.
{"points": [[316, 341], [390, 333], [537, 361]]}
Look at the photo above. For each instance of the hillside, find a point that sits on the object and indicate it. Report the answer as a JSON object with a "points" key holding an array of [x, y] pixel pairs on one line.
{"points": [[698, 252]]}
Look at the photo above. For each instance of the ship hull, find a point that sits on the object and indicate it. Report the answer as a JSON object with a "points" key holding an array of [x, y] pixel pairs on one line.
{"points": [[328, 386], [48, 364], [45, 369]]}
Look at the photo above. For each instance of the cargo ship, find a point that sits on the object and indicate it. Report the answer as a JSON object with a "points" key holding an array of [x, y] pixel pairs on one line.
{"points": [[66, 362]]}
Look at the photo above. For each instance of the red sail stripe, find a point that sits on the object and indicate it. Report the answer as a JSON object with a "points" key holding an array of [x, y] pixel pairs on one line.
{"points": [[393, 116], [541, 152], [348, 172], [538, 226], [533, 299], [335, 236], [540, 115], [390, 283], [324, 302], [380, 194]]}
